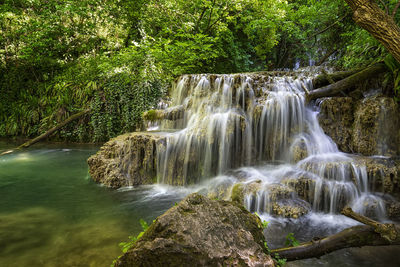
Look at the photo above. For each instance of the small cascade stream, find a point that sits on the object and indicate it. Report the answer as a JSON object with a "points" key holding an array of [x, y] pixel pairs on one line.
{"points": [[256, 134]]}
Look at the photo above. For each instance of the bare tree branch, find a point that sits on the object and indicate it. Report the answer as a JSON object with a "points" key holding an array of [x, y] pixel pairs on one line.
{"points": [[395, 9]]}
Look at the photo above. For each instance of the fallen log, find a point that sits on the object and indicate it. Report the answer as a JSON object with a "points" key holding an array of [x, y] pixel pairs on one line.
{"points": [[372, 234], [54, 129], [389, 231], [356, 236], [347, 83], [326, 78], [49, 132]]}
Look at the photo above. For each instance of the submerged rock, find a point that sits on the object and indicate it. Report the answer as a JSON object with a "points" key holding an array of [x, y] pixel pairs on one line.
{"points": [[275, 199], [126, 160], [201, 232]]}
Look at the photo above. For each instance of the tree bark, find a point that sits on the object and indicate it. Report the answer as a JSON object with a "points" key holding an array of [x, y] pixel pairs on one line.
{"points": [[368, 15], [372, 234], [347, 83]]}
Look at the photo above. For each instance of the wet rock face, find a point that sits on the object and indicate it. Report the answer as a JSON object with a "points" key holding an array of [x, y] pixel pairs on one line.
{"points": [[336, 119], [384, 175], [126, 160], [201, 232], [376, 127], [368, 127]]}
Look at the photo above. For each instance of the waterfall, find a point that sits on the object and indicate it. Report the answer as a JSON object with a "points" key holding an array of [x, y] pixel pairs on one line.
{"points": [[261, 126]]}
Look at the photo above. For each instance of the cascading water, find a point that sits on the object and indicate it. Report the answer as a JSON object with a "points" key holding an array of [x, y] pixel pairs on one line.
{"points": [[234, 121]]}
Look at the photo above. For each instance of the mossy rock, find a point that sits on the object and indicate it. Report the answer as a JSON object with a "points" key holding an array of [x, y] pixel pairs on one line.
{"points": [[127, 160], [201, 232]]}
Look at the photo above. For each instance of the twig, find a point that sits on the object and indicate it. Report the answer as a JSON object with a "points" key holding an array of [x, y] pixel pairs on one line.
{"points": [[385, 6], [395, 9], [330, 26]]}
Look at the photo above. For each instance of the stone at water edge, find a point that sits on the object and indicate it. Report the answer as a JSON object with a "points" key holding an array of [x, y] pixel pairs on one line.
{"points": [[127, 160], [201, 232]]}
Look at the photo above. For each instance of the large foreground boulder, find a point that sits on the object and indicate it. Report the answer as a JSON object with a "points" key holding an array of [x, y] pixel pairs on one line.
{"points": [[201, 232]]}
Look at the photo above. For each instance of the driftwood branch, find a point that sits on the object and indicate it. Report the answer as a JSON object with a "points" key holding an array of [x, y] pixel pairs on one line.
{"points": [[372, 234], [49, 132], [388, 231], [347, 83]]}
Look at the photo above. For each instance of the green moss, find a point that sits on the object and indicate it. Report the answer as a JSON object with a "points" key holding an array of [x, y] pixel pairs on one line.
{"points": [[237, 193], [150, 115]]}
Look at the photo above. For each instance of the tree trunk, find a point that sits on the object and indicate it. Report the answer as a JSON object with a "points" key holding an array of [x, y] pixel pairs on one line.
{"points": [[347, 83], [356, 236], [371, 234], [54, 129], [368, 15], [47, 133]]}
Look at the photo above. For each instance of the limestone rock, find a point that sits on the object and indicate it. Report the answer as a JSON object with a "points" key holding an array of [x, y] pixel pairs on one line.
{"points": [[277, 199], [298, 151], [173, 113], [368, 127], [303, 186], [201, 232], [392, 209], [336, 119], [291, 208], [383, 174], [126, 160], [376, 127], [240, 190]]}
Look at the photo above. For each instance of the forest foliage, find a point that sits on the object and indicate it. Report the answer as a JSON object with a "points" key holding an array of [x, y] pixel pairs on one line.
{"points": [[118, 57]]}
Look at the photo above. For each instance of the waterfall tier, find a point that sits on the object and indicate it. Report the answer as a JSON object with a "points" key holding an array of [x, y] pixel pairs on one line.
{"points": [[264, 145]]}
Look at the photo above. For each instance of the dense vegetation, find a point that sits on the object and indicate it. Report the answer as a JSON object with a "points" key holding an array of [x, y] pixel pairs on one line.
{"points": [[118, 57]]}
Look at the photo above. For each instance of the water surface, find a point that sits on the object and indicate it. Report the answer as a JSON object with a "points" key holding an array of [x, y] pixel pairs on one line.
{"points": [[52, 214]]}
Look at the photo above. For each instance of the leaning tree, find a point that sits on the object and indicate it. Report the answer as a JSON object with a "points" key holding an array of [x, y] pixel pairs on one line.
{"points": [[380, 24]]}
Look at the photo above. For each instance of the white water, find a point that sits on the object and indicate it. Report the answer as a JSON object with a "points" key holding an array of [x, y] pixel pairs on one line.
{"points": [[260, 126]]}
